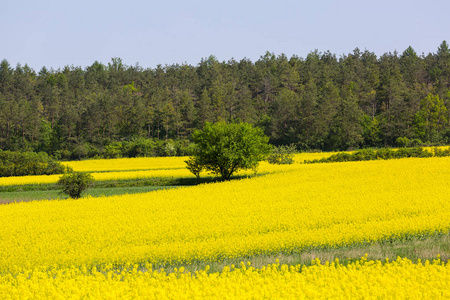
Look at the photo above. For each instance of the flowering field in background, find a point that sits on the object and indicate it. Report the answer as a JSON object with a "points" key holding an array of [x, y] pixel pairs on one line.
{"points": [[147, 167], [324, 205], [156, 163], [127, 164], [400, 279], [31, 179]]}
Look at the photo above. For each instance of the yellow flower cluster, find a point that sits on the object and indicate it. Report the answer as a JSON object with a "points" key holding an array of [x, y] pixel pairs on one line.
{"points": [[321, 205], [400, 279], [127, 164], [31, 179], [156, 163]]}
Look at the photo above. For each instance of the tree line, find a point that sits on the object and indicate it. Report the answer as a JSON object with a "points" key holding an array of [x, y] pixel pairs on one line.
{"points": [[322, 102]]}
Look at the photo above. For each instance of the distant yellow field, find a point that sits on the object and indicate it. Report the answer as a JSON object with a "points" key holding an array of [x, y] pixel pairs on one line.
{"points": [[121, 164], [152, 167], [147, 167], [155, 163]]}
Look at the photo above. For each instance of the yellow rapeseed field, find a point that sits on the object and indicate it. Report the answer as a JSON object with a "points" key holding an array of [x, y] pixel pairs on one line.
{"points": [[155, 163], [321, 205], [77, 248], [124, 164], [400, 279]]}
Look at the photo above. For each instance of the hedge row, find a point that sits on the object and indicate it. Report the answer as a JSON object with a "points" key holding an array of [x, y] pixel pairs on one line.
{"points": [[384, 153], [28, 163]]}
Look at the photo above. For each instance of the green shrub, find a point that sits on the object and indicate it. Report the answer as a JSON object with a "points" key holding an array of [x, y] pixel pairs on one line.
{"points": [[168, 148], [80, 151], [28, 163], [184, 147], [403, 142], [365, 154], [441, 153], [385, 153], [113, 150], [282, 155], [75, 183], [368, 154], [139, 147], [412, 152]]}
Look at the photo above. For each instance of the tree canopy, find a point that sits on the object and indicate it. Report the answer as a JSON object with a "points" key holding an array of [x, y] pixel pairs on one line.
{"points": [[224, 148]]}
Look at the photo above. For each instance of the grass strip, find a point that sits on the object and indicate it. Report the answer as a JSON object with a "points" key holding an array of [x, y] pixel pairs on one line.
{"points": [[24, 196], [154, 181], [415, 248]]}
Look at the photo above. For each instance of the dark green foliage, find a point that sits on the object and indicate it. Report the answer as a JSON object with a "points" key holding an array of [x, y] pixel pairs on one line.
{"points": [[411, 152], [282, 155], [140, 147], [224, 148], [441, 153], [75, 183], [143, 147], [404, 142], [28, 163], [322, 101], [113, 150], [384, 153], [193, 166]]}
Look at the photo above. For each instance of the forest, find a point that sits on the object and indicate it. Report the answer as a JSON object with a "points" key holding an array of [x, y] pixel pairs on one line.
{"points": [[321, 102]]}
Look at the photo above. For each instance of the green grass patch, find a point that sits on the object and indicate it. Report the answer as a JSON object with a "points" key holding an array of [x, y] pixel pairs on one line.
{"points": [[20, 196], [139, 182], [20, 193]]}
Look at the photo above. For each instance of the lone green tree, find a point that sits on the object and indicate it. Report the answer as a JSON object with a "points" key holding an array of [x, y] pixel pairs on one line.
{"points": [[75, 183], [224, 148]]}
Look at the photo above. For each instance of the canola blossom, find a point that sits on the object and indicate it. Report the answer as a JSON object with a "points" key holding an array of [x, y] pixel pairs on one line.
{"points": [[315, 206], [363, 279], [31, 179], [127, 164], [156, 163]]}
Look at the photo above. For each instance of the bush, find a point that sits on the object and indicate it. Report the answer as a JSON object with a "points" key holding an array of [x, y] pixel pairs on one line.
{"points": [[404, 142], [167, 148], [139, 147], [367, 154], [75, 183], [441, 152], [282, 155], [28, 163], [412, 152], [184, 147], [80, 151], [113, 150]]}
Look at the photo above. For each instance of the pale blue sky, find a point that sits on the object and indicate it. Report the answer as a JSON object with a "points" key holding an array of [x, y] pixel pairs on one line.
{"points": [[55, 33]]}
